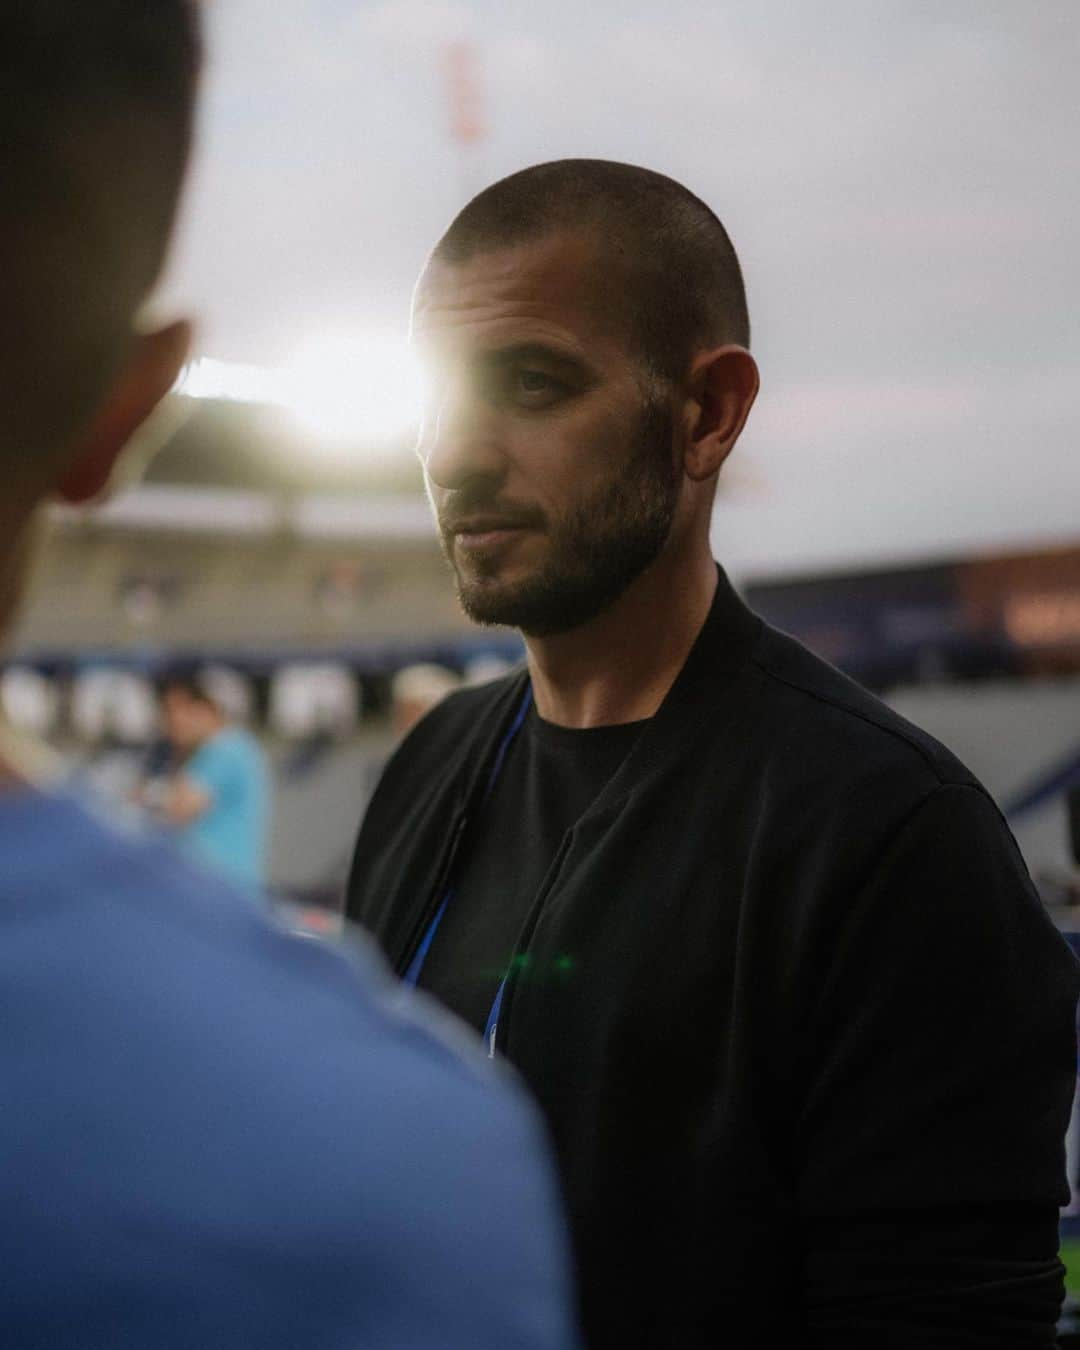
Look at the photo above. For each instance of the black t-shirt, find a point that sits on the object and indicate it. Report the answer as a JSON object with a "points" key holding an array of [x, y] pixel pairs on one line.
{"points": [[551, 775]]}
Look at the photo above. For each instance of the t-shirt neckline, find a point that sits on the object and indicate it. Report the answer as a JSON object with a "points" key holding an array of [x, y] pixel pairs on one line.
{"points": [[581, 738]]}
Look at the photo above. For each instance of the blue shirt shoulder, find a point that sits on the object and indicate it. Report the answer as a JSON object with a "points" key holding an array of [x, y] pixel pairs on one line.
{"points": [[218, 1133]]}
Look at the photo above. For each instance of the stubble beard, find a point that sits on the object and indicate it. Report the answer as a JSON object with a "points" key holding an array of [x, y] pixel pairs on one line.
{"points": [[595, 551]]}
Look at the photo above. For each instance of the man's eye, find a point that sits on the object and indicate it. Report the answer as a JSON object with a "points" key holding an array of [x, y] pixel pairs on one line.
{"points": [[535, 387], [532, 381]]}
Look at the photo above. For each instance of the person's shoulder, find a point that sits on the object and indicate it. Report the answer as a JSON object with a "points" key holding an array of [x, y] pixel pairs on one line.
{"points": [[232, 759], [236, 743], [819, 712], [277, 1087], [161, 934], [857, 792], [839, 771]]}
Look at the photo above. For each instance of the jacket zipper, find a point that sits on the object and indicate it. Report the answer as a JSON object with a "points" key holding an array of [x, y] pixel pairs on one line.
{"points": [[446, 867], [529, 928]]}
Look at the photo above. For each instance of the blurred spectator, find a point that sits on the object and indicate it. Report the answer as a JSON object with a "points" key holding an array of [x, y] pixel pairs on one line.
{"points": [[218, 797], [316, 701], [416, 690], [29, 701], [485, 669], [113, 707]]}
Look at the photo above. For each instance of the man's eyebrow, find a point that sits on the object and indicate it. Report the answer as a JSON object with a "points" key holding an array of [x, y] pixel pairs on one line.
{"points": [[517, 352]]}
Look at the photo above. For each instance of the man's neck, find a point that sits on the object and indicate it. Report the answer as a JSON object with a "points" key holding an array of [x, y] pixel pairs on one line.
{"points": [[619, 667]]}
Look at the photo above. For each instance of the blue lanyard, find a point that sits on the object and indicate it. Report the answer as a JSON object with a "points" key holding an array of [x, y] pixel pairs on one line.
{"points": [[416, 965]]}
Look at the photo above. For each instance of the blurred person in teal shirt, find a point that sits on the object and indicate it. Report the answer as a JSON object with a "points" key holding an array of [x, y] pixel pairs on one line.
{"points": [[218, 799]]}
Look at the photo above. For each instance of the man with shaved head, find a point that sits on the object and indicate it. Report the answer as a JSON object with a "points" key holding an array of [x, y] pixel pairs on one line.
{"points": [[177, 1070], [765, 952]]}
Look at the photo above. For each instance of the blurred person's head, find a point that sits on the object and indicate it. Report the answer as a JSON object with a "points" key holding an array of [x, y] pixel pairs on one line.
{"points": [[485, 669], [416, 689], [586, 327], [96, 106], [191, 715]]}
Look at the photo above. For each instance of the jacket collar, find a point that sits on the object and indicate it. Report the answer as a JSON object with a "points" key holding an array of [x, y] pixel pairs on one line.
{"points": [[722, 650], [702, 692]]}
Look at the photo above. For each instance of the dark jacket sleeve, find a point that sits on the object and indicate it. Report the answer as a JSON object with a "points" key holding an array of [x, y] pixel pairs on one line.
{"points": [[939, 1072]]}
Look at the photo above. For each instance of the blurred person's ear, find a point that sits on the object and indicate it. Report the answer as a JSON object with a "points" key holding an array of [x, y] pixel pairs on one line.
{"points": [[152, 368]]}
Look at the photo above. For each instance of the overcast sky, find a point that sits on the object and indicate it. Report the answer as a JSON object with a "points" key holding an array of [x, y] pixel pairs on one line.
{"points": [[899, 177]]}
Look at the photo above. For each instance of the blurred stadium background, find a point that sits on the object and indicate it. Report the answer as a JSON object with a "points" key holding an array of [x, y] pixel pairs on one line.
{"points": [[898, 181], [303, 591]]}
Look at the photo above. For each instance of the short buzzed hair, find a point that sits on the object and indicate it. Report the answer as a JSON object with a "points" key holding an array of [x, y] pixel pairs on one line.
{"points": [[678, 271], [96, 111]]}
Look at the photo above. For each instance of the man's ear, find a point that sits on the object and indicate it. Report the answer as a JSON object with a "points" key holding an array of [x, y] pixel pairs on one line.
{"points": [[152, 368], [724, 383]]}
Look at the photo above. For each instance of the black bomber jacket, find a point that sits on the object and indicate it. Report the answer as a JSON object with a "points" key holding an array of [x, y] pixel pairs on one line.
{"points": [[801, 1029]]}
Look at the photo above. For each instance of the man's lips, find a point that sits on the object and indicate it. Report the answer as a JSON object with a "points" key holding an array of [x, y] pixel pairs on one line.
{"points": [[481, 525], [488, 541], [488, 534]]}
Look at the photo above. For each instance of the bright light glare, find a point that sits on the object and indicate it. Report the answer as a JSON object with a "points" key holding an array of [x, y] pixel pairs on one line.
{"points": [[224, 380], [355, 389], [343, 390]]}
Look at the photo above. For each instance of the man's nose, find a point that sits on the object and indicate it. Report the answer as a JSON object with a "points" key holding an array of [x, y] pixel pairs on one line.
{"points": [[458, 442]]}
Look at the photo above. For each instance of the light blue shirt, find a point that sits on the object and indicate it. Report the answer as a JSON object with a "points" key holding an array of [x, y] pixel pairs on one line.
{"points": [[218, 1136], [230, 836]]}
